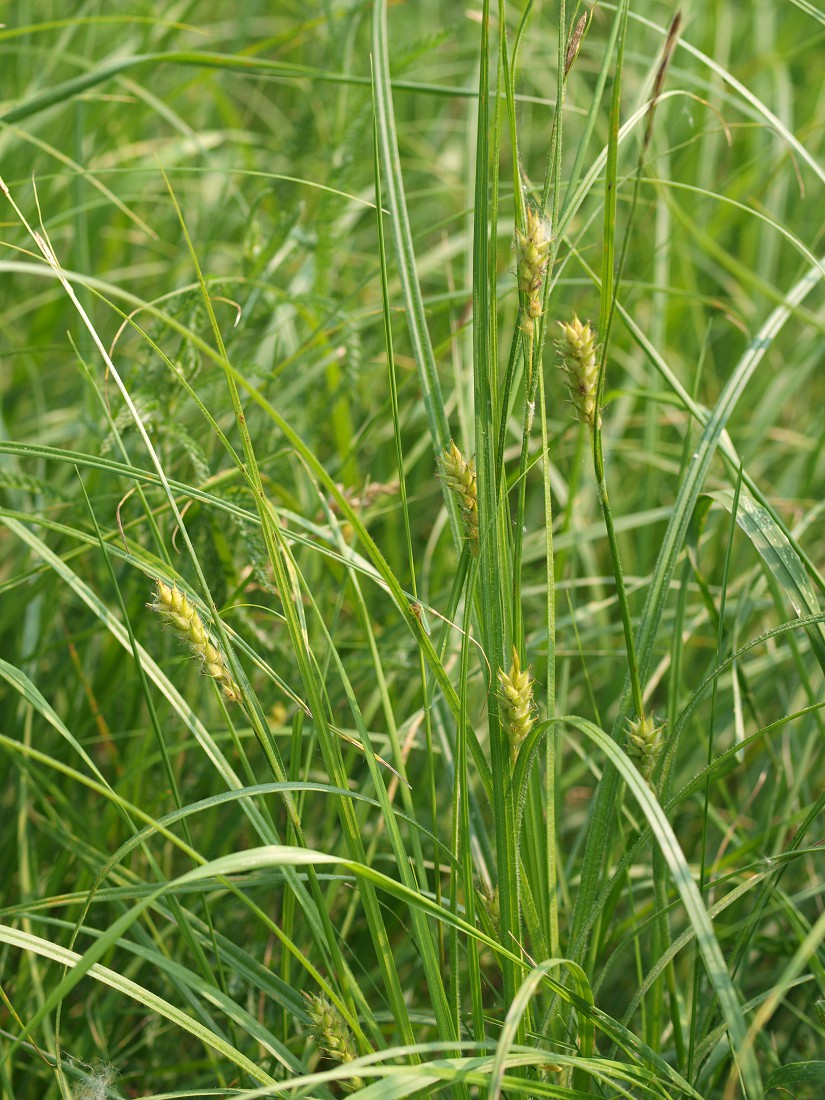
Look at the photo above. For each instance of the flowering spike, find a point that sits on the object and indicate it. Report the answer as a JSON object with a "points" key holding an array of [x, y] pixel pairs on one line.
{"points": [[577, 348], [180, 613], [645, 741], [459, 475], [533, 249], [330, 1031], [516, 701]]}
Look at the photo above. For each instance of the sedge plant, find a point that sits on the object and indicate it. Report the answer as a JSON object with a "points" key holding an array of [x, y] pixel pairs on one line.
{"points": [[411, 630]]}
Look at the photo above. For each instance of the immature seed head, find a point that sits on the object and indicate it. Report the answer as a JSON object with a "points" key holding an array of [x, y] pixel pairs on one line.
{"points": [[491, 902], [459, 475], [645, 741], [516, 704], [533, 249], [579, 364], [330, 1031], [180, 613]]}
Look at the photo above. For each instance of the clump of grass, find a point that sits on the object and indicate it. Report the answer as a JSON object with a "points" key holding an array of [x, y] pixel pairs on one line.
{"points": [[656, 926]]}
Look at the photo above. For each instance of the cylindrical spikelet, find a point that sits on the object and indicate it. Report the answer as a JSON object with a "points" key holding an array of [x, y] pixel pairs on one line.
{"points": [[181, 614], [579, 363], [459, 475], [645, 741], [533, 249], [330, 1031], [516, 701]]}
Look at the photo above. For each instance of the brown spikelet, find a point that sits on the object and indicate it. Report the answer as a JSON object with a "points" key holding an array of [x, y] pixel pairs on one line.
{"points": [[516, 703], [180, 613], [330, 1031], [659, 83], [459, 475], [579, 364], [574, 45]]}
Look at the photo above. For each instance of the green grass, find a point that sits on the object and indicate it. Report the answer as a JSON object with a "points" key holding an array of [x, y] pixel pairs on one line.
{"points": [[258, 270]]}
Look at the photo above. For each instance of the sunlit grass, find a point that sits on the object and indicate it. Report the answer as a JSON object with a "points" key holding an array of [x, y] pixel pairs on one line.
{"points": [[493, 758]]}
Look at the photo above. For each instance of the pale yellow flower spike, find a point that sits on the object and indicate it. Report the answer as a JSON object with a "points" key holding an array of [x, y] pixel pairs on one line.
{"points": [[533, 249], [579, 364], [516, 703], [459, 475], [181, 614]]}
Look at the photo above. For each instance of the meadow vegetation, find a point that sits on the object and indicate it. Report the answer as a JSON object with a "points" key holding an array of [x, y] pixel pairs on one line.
{"points": [[412, 465]]}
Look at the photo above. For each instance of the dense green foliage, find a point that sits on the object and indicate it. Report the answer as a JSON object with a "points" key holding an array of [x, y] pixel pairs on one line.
{"points": [[334, 758]]}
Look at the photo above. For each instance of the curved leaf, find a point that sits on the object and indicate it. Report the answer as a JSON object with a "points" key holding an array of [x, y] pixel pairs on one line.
{"points": [[782, 560]]}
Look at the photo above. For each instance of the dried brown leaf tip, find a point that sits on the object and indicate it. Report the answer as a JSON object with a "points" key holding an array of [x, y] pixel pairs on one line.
{"points": [[579, 364], [459, 475], [659, 83], [178, 612], [333, 1037], [518, 713], [533, 249]]}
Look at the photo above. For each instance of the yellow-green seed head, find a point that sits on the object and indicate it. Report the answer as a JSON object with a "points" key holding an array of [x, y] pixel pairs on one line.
{"points": [[330, 1031], [645, 741], [516, 704], [533, 249], [459, 475], [579, 364], [180, 613]]}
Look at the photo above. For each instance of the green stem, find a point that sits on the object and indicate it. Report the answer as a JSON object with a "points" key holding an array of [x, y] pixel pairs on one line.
{"points": [[550, 752], [493, 550], [518, 539], [621, 591]]}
